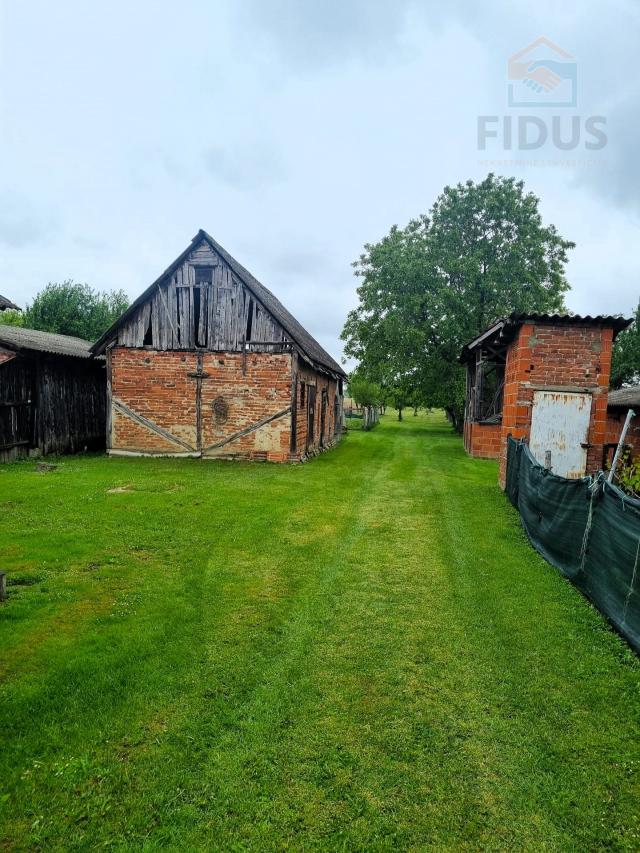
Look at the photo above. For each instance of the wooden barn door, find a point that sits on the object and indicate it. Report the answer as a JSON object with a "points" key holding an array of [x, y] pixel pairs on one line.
{"points": [[15, 409], [311, 414]]}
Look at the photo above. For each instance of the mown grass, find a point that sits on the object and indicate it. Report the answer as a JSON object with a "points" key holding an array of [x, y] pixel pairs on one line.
{"points": [[358, 653]]}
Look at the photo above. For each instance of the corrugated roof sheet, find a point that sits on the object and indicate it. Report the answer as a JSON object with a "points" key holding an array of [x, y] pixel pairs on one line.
{"points": [[307, 344], [503, 331], [32, 339], [7, 303], [625, 398]]}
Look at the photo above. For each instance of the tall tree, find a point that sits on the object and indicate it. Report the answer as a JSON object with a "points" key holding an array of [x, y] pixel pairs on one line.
{"points": [[69, 308], [481, 253], [625, 366]]}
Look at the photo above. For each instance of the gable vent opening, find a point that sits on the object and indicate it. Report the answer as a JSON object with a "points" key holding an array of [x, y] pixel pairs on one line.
{"points": [[148, 335], [249, 320]]}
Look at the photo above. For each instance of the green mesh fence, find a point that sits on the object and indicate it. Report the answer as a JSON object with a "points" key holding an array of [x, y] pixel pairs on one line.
{"points": [[588, 529]]}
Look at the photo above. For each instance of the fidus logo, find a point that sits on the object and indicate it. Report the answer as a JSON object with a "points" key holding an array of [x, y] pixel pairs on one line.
{"points": [[542, 76]]}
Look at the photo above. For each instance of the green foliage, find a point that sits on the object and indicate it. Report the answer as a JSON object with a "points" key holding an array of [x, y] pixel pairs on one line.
{"points": [[481, 253], [403, 394], [627, 474], [11, 318], [74, 309], [625, 365], [363, 391], [358, 654]]}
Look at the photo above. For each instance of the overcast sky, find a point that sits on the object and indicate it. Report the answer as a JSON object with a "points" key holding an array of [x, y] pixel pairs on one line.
{"points": [[294, 132]]}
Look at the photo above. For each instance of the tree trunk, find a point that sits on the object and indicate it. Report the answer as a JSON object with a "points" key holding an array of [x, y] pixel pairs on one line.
{"points": [[399, 414], [455, 419]]}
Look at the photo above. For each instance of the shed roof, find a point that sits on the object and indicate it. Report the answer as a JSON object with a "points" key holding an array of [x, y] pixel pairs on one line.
{"points": [[625, 398], [502, 332], [15, 337], [7, 303], [306, 343]]}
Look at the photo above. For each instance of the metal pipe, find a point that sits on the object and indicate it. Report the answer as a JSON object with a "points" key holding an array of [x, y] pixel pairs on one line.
{"points": [[630, 414]]}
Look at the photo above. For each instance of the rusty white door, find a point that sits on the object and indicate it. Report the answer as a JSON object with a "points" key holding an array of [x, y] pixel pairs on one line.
{"points": [[559, 431]]}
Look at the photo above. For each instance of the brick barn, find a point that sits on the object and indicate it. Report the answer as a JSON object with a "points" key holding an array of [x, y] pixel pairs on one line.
{"points": [[207, 362], [543, 378]]}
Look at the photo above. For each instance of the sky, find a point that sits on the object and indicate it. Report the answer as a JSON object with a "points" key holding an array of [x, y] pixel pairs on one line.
{"points": [[296, 131]]}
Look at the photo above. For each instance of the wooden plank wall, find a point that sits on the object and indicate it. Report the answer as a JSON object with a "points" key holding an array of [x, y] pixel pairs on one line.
{"points": [[15, 409], [54, 404], [70, 405], [229, 314]]}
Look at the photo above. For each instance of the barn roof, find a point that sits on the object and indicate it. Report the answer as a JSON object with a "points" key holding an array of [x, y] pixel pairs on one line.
{"points": [[306, 343], [7, 303], [502, 332], [15, 337], [625, 398]]}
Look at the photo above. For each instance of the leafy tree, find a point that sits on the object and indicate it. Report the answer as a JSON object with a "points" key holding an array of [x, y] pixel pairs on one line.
{"points": [[625, 365], [403, 394], [364, 391], [75, 309], [11, 318], [481, 253]]}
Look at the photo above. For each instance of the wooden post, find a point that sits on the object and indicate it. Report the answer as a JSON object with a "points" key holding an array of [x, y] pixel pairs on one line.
{"points": [[109, 428], [293, 446], [3, 586]]}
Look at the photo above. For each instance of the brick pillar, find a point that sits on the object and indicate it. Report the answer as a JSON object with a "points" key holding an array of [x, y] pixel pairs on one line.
{"points": [[516, 417]]}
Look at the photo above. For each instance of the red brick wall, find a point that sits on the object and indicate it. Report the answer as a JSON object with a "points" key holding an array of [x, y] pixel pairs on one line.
{"points": [[260, 390], [556, 356], [615, 422], [237, 392], [482, 440], [308, 378], [156, 386]]}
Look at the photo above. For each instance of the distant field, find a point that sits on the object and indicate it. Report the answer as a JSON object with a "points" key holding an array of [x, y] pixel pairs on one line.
{"points": [[358, 653]]}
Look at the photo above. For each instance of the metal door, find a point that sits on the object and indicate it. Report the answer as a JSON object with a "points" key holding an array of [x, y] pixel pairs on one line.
{"points": [[559, 431], [311, 411]]}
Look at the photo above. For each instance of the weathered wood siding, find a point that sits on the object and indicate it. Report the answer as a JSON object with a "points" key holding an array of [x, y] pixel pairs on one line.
{"points": [[15, 408], [52, 404], [183, 315]]}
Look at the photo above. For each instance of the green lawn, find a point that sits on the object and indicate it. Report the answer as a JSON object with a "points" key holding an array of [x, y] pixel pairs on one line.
{"points": [[360, 653]]}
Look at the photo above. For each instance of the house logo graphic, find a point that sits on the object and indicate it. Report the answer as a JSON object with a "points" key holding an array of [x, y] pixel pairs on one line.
{"points": [[542, 75]]}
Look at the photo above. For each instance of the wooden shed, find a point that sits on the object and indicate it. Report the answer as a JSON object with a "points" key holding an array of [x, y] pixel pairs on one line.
{"points": [[207, 362], [52, 394]]}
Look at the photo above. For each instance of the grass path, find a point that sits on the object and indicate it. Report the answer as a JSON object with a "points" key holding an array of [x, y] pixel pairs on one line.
{"points": [[361, 653]]}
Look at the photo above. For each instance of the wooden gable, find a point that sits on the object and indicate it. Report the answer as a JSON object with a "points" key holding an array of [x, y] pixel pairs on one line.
{"points": [[200, 304]]}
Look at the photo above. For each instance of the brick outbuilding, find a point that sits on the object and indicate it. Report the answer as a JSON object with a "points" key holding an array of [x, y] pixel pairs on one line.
{"points": [[543, 378], [208, 363]]}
